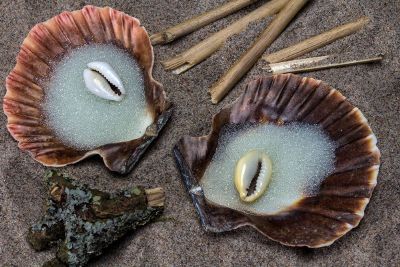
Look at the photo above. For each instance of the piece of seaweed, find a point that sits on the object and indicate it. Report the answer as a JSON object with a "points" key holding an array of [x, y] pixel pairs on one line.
{"points": [[88, 220]]}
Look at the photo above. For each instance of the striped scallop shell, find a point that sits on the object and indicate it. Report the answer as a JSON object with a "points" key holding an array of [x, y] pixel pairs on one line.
{"points": [[313, 221], [48, 42]]}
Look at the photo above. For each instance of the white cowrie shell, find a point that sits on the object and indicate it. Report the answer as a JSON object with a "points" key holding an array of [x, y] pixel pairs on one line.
{"points": [[100, 77], [254, 162]]}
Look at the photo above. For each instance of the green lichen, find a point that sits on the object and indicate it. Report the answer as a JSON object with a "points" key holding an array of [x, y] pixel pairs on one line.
{"points": [[135, 190], [83, 221]]}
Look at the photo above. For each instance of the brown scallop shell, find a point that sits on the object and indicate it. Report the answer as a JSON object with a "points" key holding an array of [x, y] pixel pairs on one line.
{"points": [[313, 221], [48, 42]]}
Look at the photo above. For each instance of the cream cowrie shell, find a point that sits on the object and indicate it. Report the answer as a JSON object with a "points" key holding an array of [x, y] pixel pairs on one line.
{"points": [[253, 163]]}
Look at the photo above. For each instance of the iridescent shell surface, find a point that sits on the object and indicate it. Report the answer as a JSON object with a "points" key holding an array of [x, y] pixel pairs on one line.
{"points": [[339, 204], [48, 42]]}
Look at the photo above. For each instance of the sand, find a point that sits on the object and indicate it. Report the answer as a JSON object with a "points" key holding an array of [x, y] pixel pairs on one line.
{"points": [[181, 241]]}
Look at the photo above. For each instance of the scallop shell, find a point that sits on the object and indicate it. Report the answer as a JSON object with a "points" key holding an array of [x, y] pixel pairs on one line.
{"points": [[339, 205], [50, 40]]}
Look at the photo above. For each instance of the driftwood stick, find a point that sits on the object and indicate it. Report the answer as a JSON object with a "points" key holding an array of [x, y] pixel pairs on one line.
{"points": [[193, 56], [317, 63], [316, 42], [250, 57], [197, 22]]}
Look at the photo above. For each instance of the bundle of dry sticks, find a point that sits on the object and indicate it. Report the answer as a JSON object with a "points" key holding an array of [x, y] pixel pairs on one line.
{"points": [[277, 62]]}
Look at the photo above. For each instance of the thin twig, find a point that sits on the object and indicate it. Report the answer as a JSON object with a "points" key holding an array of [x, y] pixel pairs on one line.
{"points": [[250, 57], [197, 22], [316, 42], [314, 63], [193, 56], [286, 66]]}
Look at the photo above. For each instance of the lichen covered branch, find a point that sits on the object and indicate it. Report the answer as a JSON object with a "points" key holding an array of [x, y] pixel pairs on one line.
{"points": [[89, 220]]}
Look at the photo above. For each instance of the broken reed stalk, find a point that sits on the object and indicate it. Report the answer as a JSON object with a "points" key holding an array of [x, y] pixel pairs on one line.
{"points": [[288, 66], [316, 42], [155, 197], [314, 64], [250, 57], [197, 22], [193, 56]]}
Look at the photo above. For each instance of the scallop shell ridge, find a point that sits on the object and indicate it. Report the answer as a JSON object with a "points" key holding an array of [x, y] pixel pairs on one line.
{"points": [[314, 221]]}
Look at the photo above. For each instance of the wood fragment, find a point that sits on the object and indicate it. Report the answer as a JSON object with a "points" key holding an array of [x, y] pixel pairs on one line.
{"points": [[197, 22], [155, 197], [317, 41], [196, 54], [317, 63], [250, 57]]}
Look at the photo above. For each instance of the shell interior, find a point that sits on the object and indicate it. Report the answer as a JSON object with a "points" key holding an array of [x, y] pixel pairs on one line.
{"points": [[301, 154], [82, 119]]}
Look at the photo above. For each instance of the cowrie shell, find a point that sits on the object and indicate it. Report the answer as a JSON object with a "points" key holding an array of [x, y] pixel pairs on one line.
{"points": [[102, 80], [253, 163]]}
